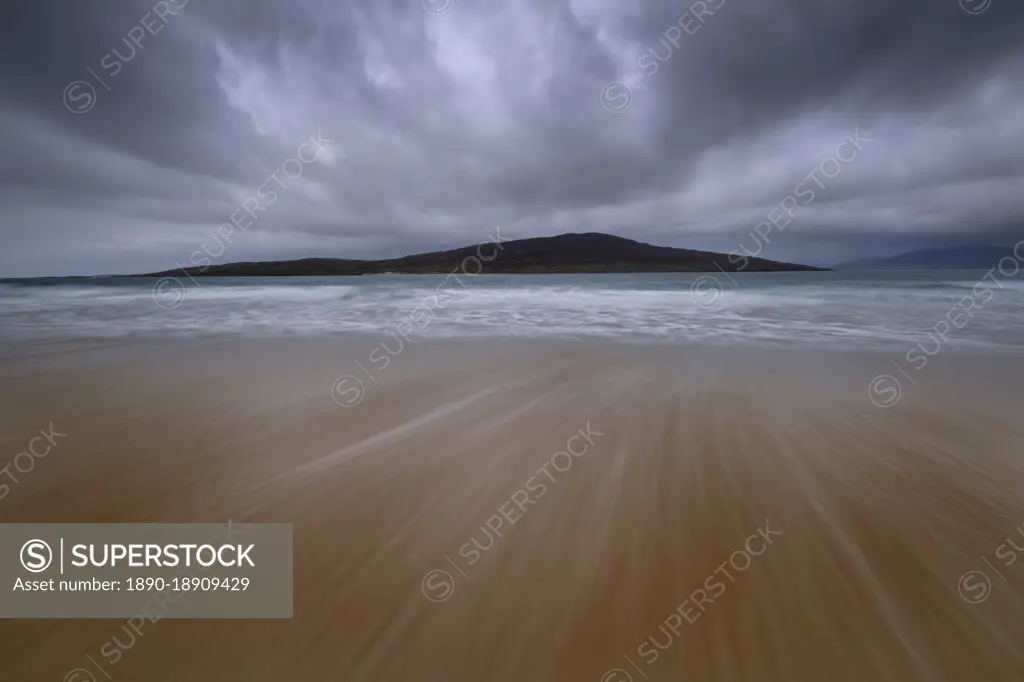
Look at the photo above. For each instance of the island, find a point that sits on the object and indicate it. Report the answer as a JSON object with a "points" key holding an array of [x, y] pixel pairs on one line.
{"points": [[590, 252]]}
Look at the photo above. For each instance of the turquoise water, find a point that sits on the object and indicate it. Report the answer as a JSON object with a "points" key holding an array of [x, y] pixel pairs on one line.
{"points": [[983, 310]]}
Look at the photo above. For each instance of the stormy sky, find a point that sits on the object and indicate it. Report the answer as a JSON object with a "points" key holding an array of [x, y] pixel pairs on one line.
{"points": [[133, 130]]}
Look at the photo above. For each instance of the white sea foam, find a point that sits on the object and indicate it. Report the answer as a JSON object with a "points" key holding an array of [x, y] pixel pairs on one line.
{"points": [[773, 308]]}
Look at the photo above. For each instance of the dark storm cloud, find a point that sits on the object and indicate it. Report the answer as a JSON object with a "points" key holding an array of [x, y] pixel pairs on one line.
{"points": [[132, 130]]}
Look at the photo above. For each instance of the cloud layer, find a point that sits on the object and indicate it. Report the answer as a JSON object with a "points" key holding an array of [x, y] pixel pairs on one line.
{"points": [[133, 133]]}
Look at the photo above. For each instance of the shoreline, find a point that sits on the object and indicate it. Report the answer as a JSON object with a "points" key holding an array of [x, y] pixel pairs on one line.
{"points": [[38, 345]]}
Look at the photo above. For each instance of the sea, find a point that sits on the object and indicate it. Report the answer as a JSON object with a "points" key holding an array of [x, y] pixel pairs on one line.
{"points": [[970, 309]]}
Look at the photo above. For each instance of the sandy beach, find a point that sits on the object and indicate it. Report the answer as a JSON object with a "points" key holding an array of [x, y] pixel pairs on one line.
{"points": [[541, 511]]}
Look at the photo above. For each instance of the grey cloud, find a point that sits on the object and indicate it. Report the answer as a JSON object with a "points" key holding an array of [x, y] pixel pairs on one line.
{"points": [[491, 114]]}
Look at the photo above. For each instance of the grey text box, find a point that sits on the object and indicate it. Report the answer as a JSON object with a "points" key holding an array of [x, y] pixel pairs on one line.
{"points": [[155, 570]]}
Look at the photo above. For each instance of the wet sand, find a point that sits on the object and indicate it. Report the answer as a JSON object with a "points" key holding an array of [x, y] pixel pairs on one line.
{"points": [[726, 515]]}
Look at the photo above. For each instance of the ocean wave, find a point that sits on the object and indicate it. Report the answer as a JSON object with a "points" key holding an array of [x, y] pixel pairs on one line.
{"points": [[784, 309]]}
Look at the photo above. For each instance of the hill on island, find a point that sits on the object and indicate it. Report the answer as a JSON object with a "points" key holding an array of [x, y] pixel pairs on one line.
{"points": [[567, 253], [974, 257]]}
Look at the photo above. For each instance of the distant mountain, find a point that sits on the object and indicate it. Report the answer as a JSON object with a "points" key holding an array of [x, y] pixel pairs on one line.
{"points": [[977, 257], [567, 253]]}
